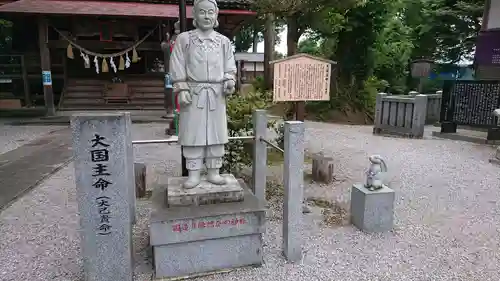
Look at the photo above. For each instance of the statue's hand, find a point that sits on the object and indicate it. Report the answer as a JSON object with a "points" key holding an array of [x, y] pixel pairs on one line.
{"points": [[184, 98], [229, 87]]}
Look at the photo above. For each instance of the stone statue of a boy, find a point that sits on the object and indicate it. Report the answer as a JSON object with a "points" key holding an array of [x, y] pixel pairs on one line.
{"points": [[203, 71]]}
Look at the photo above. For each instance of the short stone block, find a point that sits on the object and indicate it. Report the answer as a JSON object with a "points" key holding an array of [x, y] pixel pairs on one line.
{"points": [[496, 158], [140, 180], [322, 169], [205, 193], [372, 211]]}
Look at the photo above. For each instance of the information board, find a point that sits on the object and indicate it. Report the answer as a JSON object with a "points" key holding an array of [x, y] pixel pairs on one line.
{"points": [[302, 78]]}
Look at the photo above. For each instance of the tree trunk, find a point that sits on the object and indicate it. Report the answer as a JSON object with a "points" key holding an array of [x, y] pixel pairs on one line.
{"points": [[292, 41], [255, 39], [269, 42], [292, 35]]}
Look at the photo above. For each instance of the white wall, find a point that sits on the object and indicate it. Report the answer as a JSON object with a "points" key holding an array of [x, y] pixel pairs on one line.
{"points": [[259, 57], [249, 66]]}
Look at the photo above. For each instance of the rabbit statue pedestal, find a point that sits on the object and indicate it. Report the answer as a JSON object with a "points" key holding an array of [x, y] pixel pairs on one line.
{"points": [[372, 210]]}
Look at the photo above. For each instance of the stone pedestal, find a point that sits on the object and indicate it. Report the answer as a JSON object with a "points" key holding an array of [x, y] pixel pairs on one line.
{"points": [[194, 239], [372, 211], [205, 193]]}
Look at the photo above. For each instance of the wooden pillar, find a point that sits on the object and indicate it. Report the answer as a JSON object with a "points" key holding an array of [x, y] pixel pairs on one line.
{"points": [[65, 78], [255, 37], [48, 92], [65, 68], [486, 15], [165, 47], [300, 111], [269, 42], [182, 15], [183, 28], [26, 83]]}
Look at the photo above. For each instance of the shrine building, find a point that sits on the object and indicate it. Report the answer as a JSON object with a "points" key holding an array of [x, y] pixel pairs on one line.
{"points": [[97, 55]]}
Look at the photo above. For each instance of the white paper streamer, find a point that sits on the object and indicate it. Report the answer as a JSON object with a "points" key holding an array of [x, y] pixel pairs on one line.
{"points": [[86, 60], [112, 63], [127, 61], [96, 62]]}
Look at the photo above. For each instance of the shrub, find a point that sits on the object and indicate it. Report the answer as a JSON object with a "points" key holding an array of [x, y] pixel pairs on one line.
{"points": [[279, 129], [239, 113], [258, 84]]}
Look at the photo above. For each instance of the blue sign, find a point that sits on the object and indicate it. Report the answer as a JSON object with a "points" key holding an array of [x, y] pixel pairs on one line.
{"points": [[168, 81], [443, 76], [46, 78]]}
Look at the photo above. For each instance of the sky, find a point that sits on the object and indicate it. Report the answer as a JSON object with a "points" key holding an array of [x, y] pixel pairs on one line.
{"points": [[281, 47]]}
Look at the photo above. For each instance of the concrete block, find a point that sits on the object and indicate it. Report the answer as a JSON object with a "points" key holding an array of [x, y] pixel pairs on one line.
{"points": [[195, 240], [129, 150], [372, 211], [419, 115], [140, 180], [205, 193], [322, 169], [177, 224], [207, 256], [103, 164], [293, 183], [259, 167]]}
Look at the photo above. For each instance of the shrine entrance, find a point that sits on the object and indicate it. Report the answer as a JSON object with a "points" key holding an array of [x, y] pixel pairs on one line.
{"points": [[106, 30]]}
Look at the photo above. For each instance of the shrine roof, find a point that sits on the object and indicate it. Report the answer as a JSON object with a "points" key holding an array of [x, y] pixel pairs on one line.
{"points": [[223, 4], [303, 55], [137, 8]]}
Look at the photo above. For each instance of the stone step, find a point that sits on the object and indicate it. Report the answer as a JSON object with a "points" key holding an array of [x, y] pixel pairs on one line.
{"points": [[203, 194]]}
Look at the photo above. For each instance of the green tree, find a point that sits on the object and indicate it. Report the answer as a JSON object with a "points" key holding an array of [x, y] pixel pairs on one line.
{"points": [[355, 52], [299, 15], [253, 32], [309, 45], [5, 36], [244, 39], [393, 49], [443, 30]]}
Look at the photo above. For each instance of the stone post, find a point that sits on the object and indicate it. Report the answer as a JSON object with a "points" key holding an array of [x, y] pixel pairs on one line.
{"points": [[419, 115], [293, 180], [259, 169], [103, 163], [130, 172], [378, 112]]}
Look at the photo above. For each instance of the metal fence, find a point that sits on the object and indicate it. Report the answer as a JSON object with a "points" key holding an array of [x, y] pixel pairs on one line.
{"points": [[293, 175]]}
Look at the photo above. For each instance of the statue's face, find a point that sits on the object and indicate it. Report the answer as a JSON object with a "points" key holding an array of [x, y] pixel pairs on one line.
{"points": [[205, 14]]}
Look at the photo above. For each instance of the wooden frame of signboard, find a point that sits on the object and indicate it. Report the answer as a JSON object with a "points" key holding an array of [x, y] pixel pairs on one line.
{"points": [[301, 78]]}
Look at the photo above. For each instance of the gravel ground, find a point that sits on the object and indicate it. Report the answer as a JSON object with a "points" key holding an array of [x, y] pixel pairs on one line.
{"points": [[446, 216], [12, 137]]}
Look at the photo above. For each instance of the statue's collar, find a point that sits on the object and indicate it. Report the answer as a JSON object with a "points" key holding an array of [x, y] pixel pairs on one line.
{"points": [[203, 36]]}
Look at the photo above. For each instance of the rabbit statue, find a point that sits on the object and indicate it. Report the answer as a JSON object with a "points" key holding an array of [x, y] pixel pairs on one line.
{"points": [[376, 173]]}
